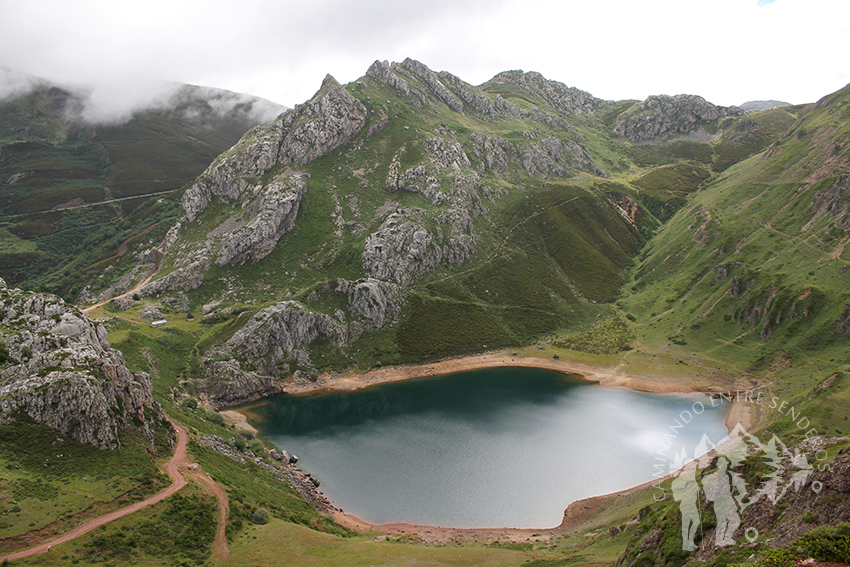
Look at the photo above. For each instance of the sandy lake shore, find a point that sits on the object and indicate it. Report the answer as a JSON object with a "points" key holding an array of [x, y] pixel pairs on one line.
{"points": [[611, 377]]}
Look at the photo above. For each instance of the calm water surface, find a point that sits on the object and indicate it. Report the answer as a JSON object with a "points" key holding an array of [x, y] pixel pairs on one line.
{"points": [[488, 448]]}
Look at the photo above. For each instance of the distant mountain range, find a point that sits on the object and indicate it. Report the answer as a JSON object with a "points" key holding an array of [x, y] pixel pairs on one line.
{"points": [[759, 105]]}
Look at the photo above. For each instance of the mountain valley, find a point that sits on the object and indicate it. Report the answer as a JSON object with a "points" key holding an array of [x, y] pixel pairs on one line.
{"points": [[404, 219]]}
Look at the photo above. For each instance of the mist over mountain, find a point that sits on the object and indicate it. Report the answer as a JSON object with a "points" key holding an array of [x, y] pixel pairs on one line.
{"points": [[116, 101], [409, 217], [77, 167]]}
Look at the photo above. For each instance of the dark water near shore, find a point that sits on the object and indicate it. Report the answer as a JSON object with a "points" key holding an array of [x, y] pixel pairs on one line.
{"points": [[487, 448]]}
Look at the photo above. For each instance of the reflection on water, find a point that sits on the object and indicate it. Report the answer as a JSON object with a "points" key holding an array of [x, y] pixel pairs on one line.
{"points": [[488, 448]]}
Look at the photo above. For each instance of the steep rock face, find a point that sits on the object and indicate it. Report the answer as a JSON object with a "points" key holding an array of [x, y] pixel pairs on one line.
{"points": [[274, 345], [328, 120], [228, 176], [451, 90], [271, 217], [298, 136], [382, 71], [449, 155], [250, 364], [471, 96], [402, 248], [375, 300], [664, 115], [493, 152], [280, 329], [568, 100], [226, 384], [433, 82], [58, 368], [552, 157]]}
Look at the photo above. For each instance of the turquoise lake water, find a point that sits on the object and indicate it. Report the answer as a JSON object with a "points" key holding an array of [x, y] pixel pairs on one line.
{"points": [[488, 448]]}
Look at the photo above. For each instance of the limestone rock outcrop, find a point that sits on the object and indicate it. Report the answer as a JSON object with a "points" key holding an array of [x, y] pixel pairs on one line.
{"points": [[433, 82], [568, 100], [298, 136], [272, 215], [267, 208], [382, 71], [665, 115], [375, 300], [279, 330], [552, 157], [57, 367]]}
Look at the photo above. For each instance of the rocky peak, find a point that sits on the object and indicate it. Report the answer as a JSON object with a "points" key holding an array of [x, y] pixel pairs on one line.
{"points": [[57, 367], [663, 115], [297, 137], [567, 100], [382, 71], [432, 81], [328, 120]]}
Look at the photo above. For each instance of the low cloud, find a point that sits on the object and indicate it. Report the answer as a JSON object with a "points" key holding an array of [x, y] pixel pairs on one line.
{"points": [[14, 84], [116, 101]]}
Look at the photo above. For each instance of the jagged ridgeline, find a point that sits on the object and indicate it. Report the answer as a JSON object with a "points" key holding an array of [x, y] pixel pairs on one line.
{"points": [[409, 216]]}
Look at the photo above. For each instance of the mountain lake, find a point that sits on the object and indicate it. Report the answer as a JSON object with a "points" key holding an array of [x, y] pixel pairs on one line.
{"points": [[501, 447]]}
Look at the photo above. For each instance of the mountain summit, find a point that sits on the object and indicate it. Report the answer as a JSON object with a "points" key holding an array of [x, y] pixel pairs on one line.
{"points": [[411, 206]]}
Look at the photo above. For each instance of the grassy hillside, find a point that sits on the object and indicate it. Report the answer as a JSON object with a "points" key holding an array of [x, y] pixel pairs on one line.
{"points": [[752, 274], [77, 196], [721, 252], [550, 246]]}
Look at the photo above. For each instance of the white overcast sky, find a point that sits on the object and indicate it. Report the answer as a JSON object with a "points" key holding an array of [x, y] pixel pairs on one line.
{"points": [[729, 51]]}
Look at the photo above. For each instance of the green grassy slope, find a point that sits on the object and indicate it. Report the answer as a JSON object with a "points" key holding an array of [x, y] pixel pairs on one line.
{"points": [[72, 192], [752, 273]]}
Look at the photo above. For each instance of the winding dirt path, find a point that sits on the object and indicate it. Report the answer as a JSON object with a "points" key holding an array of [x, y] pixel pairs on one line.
{"points": [[173, 468], [219, 546], [125, 294]]}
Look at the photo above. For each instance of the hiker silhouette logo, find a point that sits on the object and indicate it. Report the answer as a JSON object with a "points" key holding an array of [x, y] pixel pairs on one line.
{"points": [[714, 477]]}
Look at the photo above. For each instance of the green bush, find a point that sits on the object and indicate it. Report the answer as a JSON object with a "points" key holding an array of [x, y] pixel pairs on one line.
{"points": [[827, 543], [261, 516], [215, 417]]}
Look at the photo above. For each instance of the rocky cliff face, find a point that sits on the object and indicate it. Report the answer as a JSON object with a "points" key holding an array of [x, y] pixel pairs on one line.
{"points": [[568, 100], [276, 341], [263, 211], [405, 246], [271, 216], [297, 137], [458, 95], [665, 115], [57, 367]]}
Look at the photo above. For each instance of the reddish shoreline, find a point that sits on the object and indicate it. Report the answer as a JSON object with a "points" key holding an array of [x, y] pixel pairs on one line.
{"points": [[610, 377]]}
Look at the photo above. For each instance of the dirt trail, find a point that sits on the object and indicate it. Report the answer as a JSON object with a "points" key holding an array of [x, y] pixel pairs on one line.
{"points": [[219, 546], [172, 467], [125, 294]]}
